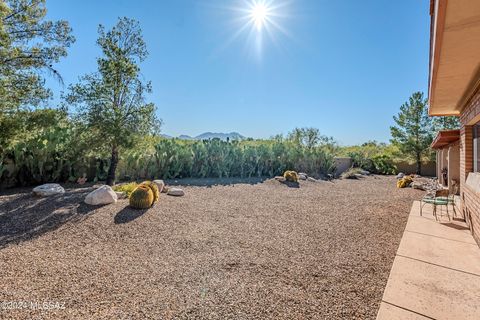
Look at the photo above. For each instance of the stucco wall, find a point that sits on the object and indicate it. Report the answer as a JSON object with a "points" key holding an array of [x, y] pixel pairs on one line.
{"points": [[428, 168], [342, 165]]}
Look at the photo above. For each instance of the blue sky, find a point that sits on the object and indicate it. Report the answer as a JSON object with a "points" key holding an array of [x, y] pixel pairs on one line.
{"points": [[343, 66]]}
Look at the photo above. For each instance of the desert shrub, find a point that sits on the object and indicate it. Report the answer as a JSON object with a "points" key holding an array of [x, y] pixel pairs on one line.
{"points": [[383, 164], [379, 164], [142, 197], [61, 153], [126, 187], [290, 176]]}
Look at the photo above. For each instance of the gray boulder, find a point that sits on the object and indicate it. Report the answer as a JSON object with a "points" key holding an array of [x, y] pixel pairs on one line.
{"points": [[101, 196], [418, 185], [177, 192], [400, 175], [48, 189], [160, 184], [302, 176]]}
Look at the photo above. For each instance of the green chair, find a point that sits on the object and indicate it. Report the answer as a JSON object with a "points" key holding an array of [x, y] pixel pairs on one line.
{"points": [[441, 198]]}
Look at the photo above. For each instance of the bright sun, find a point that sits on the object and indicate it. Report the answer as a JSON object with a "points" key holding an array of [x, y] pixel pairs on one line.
{"points": [[259, 14]]}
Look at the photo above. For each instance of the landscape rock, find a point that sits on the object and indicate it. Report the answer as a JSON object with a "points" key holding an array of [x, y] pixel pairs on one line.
{"points": [[48, 189], [160, 184], [365, 172], [418, 185], [100, 196], [121, 194], [400, 175], [175, 192], [311, 179], [280, 178], [302, 176]]}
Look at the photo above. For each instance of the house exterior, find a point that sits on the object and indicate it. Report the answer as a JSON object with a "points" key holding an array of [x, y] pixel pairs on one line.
{"points": [[447, 147], [454, 90]]}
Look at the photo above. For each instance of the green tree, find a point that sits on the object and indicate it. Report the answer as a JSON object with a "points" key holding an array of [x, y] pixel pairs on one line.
{"points": [[413, 132], [111, 102], [29, 46], [310, 138], [445, 123]]}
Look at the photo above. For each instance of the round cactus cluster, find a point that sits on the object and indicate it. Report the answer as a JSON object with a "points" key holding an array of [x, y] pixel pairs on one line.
{"points": [[404, 182], [290, 176], [144, 196]]}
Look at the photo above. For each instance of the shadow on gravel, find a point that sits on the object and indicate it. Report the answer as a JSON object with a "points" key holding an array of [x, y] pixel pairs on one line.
{"points": [[128, 214], [291, 184], [209, 182], [24, 216]]}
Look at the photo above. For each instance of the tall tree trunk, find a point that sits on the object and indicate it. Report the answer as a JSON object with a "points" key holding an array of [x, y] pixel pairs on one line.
{"points": [[113, 166], [419, 164]]}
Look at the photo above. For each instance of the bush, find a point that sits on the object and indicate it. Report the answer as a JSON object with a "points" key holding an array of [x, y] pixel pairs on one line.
{"points": [[127, 188], [378, 164]]}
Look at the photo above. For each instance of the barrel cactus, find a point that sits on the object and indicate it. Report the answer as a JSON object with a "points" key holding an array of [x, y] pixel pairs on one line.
{"points": [[142, 197], [404, 182], [290, 176], [153, 186]]}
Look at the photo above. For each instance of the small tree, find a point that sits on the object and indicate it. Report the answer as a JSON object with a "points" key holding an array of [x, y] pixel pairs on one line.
{"points": [[111, 101], [413, 132]]}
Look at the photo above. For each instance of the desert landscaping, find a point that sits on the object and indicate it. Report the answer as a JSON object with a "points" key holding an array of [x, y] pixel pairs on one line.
{"points": [[229, 248]]}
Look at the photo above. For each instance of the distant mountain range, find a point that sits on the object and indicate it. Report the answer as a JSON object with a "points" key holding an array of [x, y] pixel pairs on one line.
{"points": [[210, 135]]}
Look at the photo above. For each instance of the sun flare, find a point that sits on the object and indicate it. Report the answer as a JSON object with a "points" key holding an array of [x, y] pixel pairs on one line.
{"points": [[260, 22], [259, 15]]}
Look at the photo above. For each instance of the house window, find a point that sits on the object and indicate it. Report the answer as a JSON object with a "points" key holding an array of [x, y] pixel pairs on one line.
{"points": [[476, 147]]}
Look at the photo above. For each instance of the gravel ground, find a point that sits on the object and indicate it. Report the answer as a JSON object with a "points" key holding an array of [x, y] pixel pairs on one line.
{"points": [[256, 250]]}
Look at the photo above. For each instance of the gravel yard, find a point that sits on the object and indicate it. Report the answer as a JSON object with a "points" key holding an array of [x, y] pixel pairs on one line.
{"points": [[258, 250]]}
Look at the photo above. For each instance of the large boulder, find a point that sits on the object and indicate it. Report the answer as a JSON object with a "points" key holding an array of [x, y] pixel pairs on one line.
{"points": [[160, 184], [100, 196], [175, 192], [400, 175], [48, 189]]}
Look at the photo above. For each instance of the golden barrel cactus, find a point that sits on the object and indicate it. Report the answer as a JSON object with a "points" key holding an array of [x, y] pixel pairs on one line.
{"points": [[142, 197], [404, 182], [153, 186], [290, 176]]}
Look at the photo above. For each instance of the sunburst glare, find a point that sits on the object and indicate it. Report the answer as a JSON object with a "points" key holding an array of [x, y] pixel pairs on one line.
{"points": [[259, 20], [259, 15]]}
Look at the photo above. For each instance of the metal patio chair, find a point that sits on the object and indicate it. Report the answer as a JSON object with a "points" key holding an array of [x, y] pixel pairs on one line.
{"points": [[441, 198]]}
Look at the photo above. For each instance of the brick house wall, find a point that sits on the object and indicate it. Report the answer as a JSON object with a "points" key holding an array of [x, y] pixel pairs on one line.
{"points": [[470, 198]]}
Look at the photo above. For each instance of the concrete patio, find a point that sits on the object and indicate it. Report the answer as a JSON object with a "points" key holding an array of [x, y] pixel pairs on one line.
{"points": [[436, 271]]}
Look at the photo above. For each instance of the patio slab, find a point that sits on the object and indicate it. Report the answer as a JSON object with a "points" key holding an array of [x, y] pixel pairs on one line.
{"points": [[436, 272], [391, 312]]}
